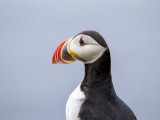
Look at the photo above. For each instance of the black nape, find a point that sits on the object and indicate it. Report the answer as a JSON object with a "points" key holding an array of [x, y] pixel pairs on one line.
{"points": [[98, 77]]}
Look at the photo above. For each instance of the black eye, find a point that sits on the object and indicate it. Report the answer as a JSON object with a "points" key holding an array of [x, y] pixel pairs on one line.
{"points": [[81, 42]]}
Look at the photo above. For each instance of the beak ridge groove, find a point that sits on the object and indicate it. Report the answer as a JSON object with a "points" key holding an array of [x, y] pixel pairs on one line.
{"points": [[61, 54]]}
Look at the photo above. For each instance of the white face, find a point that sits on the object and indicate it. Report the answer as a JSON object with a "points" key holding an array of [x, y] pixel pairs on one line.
{"points": [[86, 48]]}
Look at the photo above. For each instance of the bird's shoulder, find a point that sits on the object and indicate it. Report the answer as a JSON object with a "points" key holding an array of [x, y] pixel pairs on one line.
{"points": [[97, 110], [103, 109]]}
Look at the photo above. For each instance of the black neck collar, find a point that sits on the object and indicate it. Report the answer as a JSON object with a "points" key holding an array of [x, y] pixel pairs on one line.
{"points": [[98, 76]]}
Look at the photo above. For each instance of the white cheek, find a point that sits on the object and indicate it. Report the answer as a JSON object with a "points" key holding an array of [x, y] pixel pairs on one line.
{"points": [[91, 53]]}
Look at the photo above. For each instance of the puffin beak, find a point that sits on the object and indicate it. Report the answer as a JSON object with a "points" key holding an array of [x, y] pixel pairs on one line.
{"points": [[61, 54]]}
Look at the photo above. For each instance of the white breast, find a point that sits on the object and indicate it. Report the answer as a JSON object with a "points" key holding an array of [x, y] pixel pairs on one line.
{"points": [[74, 103]]}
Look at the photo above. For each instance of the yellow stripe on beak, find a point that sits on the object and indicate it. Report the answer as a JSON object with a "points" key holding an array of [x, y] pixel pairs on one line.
{"points": [[72, 53]]}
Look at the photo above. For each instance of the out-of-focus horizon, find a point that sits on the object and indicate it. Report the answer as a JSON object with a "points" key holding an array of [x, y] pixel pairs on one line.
{"points": [[31, 88]]}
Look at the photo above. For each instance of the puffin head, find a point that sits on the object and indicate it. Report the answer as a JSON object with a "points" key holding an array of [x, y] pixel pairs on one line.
{"points": [[87, 46]]}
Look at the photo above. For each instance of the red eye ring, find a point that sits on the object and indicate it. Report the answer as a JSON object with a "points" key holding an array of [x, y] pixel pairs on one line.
{"points": [[81, 42]]}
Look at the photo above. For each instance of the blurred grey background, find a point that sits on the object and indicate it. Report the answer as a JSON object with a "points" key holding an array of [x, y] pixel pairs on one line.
{"points": [[31, 88]]}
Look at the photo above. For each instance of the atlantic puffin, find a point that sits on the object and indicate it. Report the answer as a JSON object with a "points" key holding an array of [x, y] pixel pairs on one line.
{"points": [[95, 97]]}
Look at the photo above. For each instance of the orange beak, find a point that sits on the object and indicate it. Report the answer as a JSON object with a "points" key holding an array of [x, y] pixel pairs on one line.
{"points": [[61, 54]]}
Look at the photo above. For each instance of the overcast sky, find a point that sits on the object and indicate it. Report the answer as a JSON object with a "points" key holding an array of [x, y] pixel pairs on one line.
{"points": [[31, 88]]}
